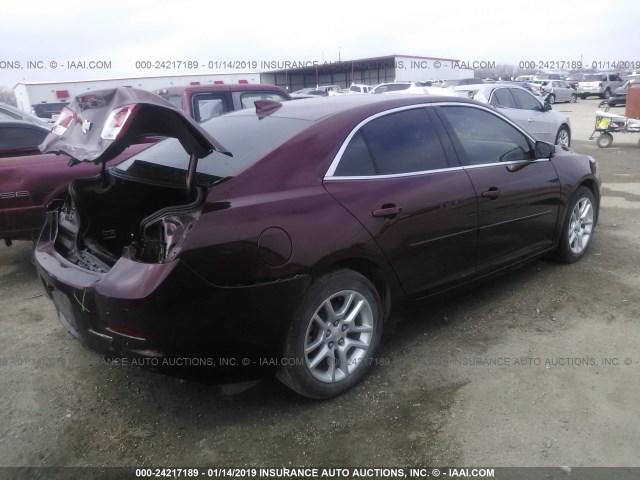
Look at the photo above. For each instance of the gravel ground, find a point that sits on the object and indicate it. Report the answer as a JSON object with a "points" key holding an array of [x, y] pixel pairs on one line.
{"points": [[539, 368]]}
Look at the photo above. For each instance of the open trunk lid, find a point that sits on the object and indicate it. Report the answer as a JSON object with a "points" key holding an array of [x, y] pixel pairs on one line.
{"points": [[98, 125]]}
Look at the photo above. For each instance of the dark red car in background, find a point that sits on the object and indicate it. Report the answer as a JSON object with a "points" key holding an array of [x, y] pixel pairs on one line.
{"points": [[293, 232]]}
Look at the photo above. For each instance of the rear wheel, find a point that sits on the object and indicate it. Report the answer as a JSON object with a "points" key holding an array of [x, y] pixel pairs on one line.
{"points": [[605, 140], [578, 226], [574, 98], [333, 335], [563, 137]]}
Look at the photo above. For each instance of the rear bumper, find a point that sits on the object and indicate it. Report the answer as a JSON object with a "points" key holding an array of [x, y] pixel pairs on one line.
{"points": [[166, 310]]}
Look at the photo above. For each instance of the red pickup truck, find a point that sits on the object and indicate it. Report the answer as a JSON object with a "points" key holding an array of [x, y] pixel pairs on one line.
{"points": [[203, 102], [29, 183]]}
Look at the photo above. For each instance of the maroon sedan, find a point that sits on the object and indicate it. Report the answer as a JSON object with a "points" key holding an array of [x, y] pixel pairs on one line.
{"points": [[292, 233]]}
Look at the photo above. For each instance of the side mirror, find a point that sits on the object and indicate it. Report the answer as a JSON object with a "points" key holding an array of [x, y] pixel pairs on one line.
{"points": [[546, 107], [544, 150]]}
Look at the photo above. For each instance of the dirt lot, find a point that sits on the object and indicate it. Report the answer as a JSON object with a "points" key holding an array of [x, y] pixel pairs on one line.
{"points": [[541, 368]]}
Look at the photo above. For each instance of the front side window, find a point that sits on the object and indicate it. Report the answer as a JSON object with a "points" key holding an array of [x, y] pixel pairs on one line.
{"points": [[397, 143], [502, 98], [525, 100], [484, 137]]}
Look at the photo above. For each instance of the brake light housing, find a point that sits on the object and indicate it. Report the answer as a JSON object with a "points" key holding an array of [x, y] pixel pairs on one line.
{"points": [[65, 120], [117, 121]]}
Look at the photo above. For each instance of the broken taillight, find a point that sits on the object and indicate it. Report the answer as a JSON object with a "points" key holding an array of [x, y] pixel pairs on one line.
{"points": [[116, 121], [64, 121]]}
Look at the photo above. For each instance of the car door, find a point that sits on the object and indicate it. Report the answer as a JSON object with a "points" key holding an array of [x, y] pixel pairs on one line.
{"points": [[533, 117], [395, 176], [518, 194]]}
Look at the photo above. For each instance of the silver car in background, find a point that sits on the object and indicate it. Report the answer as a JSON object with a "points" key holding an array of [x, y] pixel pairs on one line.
{"points": [[523, 108], [555, 91]]}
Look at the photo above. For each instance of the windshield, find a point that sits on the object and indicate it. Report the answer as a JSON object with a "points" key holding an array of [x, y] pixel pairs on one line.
{"points": [[167, 161]]}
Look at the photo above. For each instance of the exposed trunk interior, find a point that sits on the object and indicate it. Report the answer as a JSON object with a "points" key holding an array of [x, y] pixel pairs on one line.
{"points": [[106, 218]]}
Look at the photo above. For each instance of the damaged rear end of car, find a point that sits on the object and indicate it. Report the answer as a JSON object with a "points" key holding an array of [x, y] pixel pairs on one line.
{"points": [[113, 238]]}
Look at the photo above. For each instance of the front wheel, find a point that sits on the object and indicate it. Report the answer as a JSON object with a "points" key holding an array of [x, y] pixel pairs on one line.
{"points": [[333, 335], [551, 99], [563, 137], [578, 226], [607, 94]]}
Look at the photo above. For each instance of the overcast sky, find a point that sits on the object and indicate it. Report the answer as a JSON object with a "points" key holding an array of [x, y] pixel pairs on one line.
{"points": [[122, 32]]}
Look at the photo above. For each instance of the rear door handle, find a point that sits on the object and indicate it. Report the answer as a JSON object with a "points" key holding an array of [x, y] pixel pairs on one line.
{"points": [[492, 193], [387, 211]]}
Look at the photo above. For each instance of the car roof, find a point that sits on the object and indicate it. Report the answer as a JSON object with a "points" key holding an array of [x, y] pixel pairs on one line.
{"points": [[314, 109], [227, 87], [21, 123]]}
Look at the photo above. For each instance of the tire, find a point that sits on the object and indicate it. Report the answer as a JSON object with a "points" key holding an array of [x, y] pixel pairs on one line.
{"points": [[583, 97], [563, 136], [551, 99], [328, 352], [574, 98], [578, 227], [607, 94], [605, 140]]}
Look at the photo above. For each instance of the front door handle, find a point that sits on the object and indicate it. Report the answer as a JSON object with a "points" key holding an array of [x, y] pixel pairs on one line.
{"points": [[387, 211], [492, 193]]}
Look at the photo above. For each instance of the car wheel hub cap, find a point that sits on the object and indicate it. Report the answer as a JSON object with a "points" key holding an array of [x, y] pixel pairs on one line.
{"points": [[580, 226], [338, 336]]}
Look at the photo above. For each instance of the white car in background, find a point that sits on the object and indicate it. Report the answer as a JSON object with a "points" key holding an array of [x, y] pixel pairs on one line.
{"points": [[412, 87], [523, 108], [399, 87], [359, 88]]}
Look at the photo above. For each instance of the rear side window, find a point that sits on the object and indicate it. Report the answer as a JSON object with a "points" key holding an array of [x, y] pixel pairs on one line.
{"points": [[486, 138], [397, 143]]}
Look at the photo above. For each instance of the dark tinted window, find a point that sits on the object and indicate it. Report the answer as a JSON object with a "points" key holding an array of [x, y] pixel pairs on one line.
{"points": [[18, 137], [246, 136], [485, 137], [525, 100], [356, 160], [502, 98], [400, 142]]}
